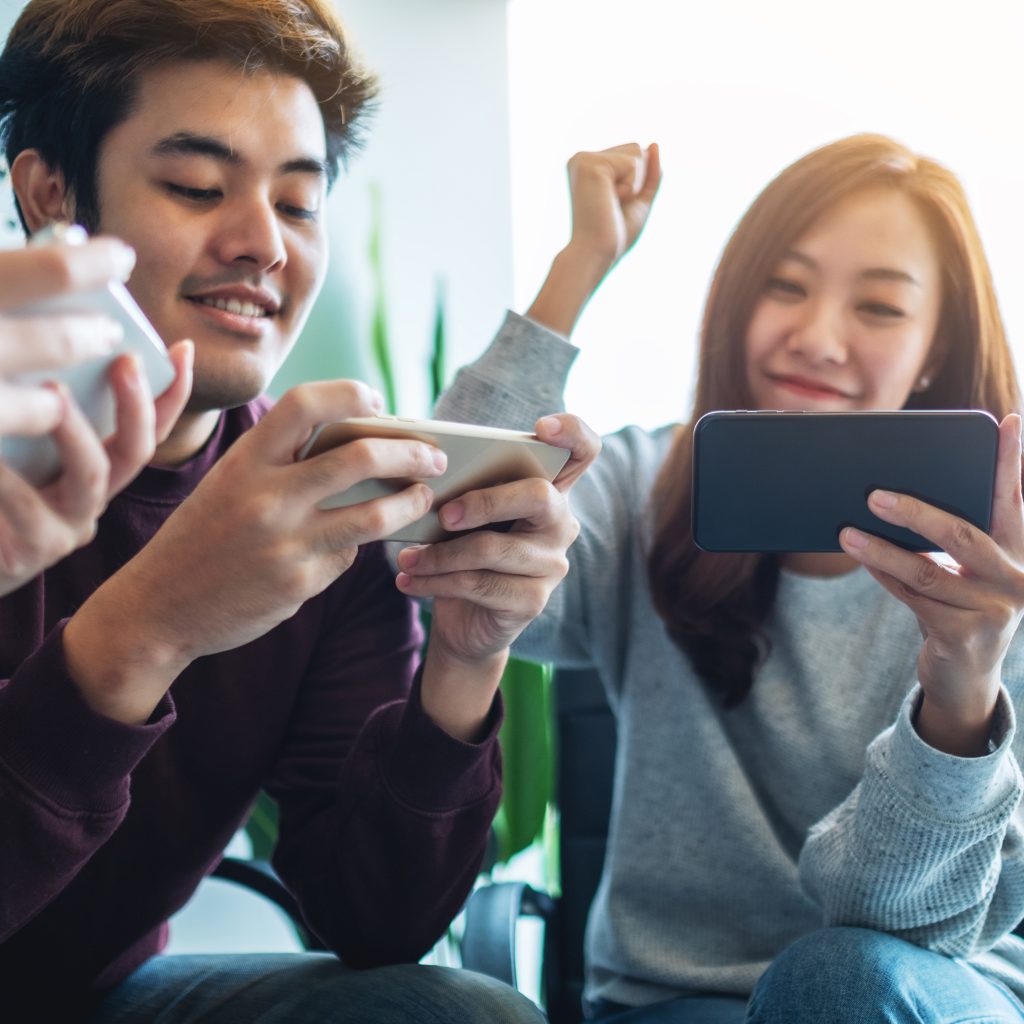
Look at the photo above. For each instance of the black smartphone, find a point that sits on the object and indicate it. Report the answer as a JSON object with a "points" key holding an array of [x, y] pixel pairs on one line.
{"points": [[790, 481]]}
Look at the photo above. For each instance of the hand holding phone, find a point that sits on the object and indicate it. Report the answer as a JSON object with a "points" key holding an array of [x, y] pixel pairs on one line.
{"points": [[37, 458], [43, 523], [478, 457]]}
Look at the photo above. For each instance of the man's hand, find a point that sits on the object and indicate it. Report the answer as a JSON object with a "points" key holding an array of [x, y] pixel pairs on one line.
{"points": [[612, 193], [244, 551], [488, 586], [39, 526]]}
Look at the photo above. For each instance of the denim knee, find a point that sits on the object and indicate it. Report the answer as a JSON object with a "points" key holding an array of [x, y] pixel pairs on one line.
{"points": [[842, 975], [466, 997]]}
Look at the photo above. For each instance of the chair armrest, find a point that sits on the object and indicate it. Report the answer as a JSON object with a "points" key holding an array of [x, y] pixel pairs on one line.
{"points": [[489, 938], [261, 878]]}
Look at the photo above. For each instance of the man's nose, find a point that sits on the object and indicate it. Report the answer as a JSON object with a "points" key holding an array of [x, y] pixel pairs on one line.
{"points": [[251, 233]]}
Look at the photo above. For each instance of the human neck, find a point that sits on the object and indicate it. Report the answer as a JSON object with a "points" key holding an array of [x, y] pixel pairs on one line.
{"points": [[818, 563], [190, 433]]}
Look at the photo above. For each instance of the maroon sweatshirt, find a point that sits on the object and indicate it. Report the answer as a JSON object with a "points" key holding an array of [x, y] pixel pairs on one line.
{"points": [[107, 829]]}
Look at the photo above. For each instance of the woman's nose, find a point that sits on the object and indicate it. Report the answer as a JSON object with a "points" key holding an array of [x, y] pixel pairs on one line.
{"points": [[820, 334]]}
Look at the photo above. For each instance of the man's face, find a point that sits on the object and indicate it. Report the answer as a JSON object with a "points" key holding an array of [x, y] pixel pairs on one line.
{"points": [[217, 179]]}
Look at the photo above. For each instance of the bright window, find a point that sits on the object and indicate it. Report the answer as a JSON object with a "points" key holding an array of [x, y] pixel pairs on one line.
{"points": [[733, 91]]}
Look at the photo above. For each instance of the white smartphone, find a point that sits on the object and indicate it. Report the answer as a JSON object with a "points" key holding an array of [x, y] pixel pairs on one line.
{"points": [[36, 458], [478, 457]]}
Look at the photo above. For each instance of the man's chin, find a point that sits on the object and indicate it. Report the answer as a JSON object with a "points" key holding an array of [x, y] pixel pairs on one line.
{"points": [[210, 396]]}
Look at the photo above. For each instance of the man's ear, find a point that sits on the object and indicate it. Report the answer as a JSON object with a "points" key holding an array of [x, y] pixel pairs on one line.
{"points": [[41, 192]]}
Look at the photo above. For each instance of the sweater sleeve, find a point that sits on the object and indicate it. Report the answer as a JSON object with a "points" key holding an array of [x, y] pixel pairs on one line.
{"points": [[928, 846], [384, 817], [520, 378], [64, 780]]}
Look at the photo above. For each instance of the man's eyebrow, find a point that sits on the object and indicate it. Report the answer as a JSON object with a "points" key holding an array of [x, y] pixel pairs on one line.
{"points": [[192, 144], [305, 165]]}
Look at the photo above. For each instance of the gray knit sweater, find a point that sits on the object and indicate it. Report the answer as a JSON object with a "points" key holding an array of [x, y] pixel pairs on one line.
{"points": [[815, 802]]}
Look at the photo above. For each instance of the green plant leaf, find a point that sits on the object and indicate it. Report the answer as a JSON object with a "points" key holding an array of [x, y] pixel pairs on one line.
{"points": [[438, 355], [379, 341]]}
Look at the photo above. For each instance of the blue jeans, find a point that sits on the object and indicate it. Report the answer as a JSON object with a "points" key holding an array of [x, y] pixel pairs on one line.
{"points": [[846, 976], [307, 988]]}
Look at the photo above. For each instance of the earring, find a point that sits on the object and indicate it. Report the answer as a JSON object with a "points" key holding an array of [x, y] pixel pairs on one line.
{"points": [[924, 382]]}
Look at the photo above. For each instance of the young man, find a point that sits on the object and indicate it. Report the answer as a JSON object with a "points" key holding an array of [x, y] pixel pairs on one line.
{"points": [[222, 633]]}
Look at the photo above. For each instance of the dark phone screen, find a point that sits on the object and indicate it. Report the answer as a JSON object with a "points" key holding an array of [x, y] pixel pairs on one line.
{"points": [[790, 481]]}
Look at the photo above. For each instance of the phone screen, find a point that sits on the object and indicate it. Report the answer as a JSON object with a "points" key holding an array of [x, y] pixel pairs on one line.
{"points": [[790, 481]]}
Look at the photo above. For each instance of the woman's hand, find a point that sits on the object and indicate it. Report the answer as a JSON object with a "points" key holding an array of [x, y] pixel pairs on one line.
{"points": [[612, 192], [968, 613]]}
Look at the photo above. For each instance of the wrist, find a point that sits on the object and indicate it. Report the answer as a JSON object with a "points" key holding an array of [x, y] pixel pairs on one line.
{"points": [[121, 670], [573, 278], [961, 731], [457, 692]]}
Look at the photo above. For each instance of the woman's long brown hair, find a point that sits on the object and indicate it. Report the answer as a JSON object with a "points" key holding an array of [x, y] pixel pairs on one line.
{"points": [[715, 605]]}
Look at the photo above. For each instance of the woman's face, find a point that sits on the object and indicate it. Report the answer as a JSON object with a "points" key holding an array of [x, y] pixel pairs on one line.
{"points": [[847, 317]]}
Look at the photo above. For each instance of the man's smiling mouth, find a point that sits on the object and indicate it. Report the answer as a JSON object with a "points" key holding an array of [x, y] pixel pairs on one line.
{"points": [[233, 306]]}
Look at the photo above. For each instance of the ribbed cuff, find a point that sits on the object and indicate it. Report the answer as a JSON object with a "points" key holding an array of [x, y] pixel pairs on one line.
{"points": [[433, 771], [60, 747], [948, 787], [519, 378]]}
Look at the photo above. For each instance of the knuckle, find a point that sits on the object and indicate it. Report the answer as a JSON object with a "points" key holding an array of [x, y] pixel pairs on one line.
{"points": [[542, 493], [574, 530], [927, 574], [56, 263], [298, 403], [490, 585], [487, 505], [962, 535], [262, 511], [424, 459], [536, 602], [343, 558], [85, 534], [561, 567], [374, 520], [361, 456]]}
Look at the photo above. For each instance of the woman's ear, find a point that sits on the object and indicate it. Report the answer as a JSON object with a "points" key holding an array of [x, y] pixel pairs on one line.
{"points": [[40, 190]]}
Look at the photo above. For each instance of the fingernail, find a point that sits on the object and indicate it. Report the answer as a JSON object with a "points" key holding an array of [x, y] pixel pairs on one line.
{"points": [[376, 400], [135, 372], [408, 558], [124, 256], [439, 459], [402, 580], [61, 396], [452, 513], [551, 424], [854, 538], [883, 499]]}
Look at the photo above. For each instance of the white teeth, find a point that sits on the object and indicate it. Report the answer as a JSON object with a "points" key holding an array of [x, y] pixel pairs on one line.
{"points": [[236, 307]]}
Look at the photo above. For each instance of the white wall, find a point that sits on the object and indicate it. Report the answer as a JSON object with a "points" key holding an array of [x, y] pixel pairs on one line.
{"points": [[735, 90], [439, 153]]}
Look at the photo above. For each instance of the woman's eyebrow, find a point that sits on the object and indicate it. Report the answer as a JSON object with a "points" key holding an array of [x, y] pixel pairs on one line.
{"points": [[870, 274], [890, 274]]}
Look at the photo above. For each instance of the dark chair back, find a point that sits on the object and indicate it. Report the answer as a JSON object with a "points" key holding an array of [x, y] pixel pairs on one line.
{"points": [[585, 737]]}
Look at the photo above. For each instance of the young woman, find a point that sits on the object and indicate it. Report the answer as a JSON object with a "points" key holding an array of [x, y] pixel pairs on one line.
{"points": [[817, 780]]}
